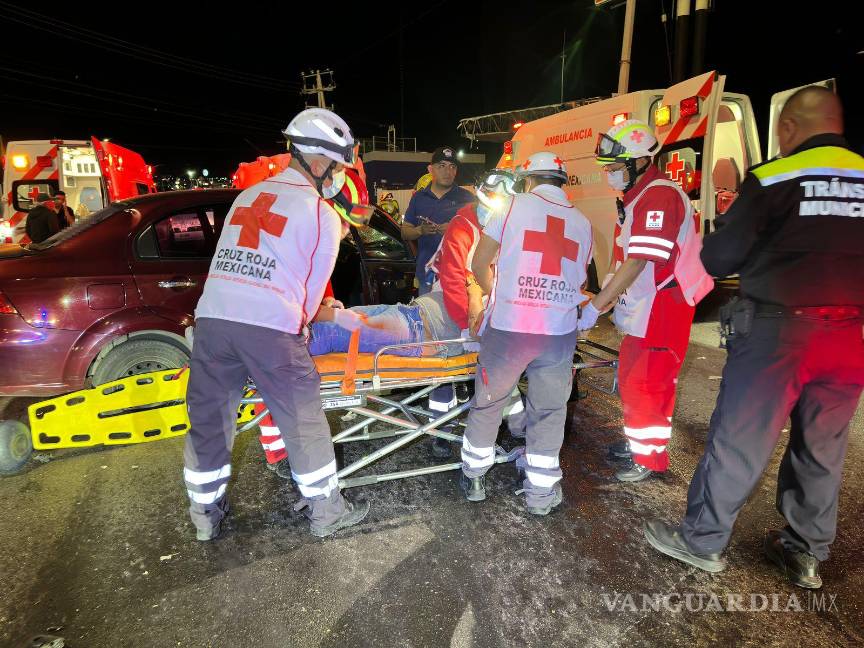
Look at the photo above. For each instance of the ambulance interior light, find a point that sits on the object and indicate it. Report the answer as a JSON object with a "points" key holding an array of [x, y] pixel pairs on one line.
{"points": [[662, 115], [620, 117], [689, 107]]}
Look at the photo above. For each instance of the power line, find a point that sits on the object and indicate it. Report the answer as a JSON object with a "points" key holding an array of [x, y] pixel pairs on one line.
{"points": [[77, 90], [115, 45], [89, 110]]}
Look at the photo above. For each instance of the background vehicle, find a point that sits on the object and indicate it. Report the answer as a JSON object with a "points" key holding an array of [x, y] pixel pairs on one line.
{"points": [[110, 296], [709, 139], [92, 174]]}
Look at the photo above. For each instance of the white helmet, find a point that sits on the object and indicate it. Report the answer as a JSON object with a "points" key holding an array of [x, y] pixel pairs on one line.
{"points": [[543, 164], [628, 140], [318, 131]]}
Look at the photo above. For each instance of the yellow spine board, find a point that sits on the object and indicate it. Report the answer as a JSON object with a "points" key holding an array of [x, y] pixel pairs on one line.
{"points": [[139, 409]]}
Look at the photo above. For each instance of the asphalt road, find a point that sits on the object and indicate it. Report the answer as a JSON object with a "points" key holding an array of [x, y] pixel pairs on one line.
{"points": [[97, 546]]}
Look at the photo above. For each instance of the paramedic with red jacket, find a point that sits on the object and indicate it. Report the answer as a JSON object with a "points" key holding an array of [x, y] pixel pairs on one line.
{"points": [[658, 280]]}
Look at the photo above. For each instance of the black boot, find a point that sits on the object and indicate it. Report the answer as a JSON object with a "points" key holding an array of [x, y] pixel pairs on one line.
{"points": [[620, 450], [801, 568], [474, 488], [667, 539], [633, 472], [354, 514]]}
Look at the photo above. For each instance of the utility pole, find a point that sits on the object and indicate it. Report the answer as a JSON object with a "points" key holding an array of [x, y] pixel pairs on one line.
{"points": [[313, 84], [700, 29], [682, 32], [626, 45], [563, 57]]}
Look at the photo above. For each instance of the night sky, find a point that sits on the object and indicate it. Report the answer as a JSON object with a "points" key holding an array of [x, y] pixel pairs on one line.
{"points": [[194, 85]]}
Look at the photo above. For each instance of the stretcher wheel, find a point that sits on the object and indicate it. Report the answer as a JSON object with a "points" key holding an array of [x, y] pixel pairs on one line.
{"points": [[16, 446]]}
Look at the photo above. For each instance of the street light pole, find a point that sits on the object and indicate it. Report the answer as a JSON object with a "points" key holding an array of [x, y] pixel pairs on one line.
{"points": [[624, 69]]}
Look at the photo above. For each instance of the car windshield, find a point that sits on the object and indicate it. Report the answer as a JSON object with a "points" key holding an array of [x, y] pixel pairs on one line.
{"points": [[80, 226]]}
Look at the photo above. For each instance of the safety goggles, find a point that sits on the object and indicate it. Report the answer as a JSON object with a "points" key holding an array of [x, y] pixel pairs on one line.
{"points": [[608, 150], [346, 152]]}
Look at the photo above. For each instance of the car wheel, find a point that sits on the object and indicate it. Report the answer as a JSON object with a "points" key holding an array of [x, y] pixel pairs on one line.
{"points": [[137, 357], [16, 446]]}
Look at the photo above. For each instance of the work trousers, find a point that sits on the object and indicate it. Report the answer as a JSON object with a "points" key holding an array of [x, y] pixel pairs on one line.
{"points": [[648, 377], [548, 362], [809, 369], [224, 354]]}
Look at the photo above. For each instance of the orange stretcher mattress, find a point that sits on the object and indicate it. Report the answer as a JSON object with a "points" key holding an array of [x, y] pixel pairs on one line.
{"points": [[332, 366]]}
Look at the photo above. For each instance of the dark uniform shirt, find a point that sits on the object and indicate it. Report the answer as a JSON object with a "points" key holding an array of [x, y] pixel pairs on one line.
{"points": [[438, 210], [795, 234]]}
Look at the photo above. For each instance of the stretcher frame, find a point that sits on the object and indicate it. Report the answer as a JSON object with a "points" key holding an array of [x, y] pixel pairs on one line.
{"points": [[353, 394]]}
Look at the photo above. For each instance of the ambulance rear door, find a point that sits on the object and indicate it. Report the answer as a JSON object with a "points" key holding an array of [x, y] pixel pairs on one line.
{"points": [[124, 172], [778, 100], [685, 120]]}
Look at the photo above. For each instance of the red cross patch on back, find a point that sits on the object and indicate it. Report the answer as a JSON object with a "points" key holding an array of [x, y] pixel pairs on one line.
{"points": [[255, 218], [552, 244]]}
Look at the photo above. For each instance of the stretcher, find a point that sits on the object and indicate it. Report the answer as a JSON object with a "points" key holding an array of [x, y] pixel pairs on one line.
{"points": [[379, 388]]}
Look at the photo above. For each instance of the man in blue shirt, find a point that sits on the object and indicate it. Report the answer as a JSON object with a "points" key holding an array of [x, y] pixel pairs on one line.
{"points": [[431, 209]]}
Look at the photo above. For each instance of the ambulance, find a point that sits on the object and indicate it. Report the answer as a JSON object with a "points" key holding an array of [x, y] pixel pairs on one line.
{"points": [[709, 140], [92, 174]]}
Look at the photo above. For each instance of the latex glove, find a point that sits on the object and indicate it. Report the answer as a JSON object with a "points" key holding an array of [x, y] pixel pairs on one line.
{"points": [[588, 318], [189, 334], [332, 303], [348, 319]]}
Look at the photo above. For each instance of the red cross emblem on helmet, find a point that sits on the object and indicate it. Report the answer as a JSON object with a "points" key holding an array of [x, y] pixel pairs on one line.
{"points": [[637, 136]]}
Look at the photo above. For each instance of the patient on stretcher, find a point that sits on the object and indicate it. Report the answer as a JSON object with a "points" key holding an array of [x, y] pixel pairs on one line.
{"points": [[424, 319]]}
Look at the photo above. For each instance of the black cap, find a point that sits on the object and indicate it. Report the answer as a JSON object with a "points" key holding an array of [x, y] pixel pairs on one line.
{"points": [[445, 154]]}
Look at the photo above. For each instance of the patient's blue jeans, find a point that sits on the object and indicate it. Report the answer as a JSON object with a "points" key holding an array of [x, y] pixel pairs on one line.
{"points": [[403, 326]]}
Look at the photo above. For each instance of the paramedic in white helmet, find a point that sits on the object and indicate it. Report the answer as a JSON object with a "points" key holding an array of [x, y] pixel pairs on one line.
{"points": [[275, 254], [654, 284], [540, 245]]}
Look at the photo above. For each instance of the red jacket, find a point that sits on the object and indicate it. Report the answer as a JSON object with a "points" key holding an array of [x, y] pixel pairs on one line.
{"points": [[453, 263]]}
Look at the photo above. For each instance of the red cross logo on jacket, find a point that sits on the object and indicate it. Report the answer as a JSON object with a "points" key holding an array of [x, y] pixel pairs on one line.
{"points": [[552, 244], [255, 218]]}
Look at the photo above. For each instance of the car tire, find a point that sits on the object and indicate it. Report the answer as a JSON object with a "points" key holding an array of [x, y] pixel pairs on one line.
{"points": [[137, 357], [16, 446]]}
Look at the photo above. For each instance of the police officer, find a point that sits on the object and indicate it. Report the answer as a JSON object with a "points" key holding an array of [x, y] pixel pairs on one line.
{"points": [[795, 235], [656, 282], [275, 254], [542, 245]]}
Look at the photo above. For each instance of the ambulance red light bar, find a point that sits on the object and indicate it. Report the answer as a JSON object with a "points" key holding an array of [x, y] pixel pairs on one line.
{"points": [[56, 141], [620, 117], [688, 107], [518, 125], [508, 147]]}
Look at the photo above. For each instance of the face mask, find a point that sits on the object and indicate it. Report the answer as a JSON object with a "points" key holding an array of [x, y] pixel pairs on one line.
{"points": [[616, 179], [335, 186], [484, 213]]}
